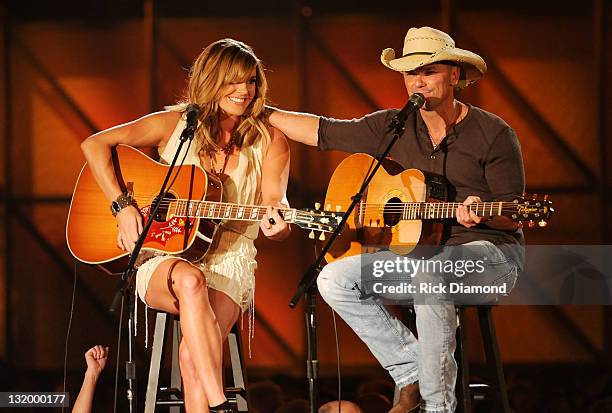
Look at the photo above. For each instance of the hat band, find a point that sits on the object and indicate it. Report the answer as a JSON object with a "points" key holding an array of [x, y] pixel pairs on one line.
{"points": [[419, 54]]}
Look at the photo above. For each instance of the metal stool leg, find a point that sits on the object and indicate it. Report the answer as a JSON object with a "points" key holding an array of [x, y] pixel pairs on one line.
{"points": [[156, 354], [464, 396], [175, 378], [238, 376], [493, 358]]}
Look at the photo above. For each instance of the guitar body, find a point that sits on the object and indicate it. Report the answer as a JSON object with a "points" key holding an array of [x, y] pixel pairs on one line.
{"points": [[91, 230], [373, 228]]}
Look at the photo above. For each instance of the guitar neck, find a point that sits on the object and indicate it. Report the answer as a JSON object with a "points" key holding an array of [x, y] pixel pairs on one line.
{"points": [[442, 210], [223, 210]]}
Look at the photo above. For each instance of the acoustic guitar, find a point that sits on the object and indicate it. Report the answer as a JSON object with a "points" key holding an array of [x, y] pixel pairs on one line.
{"points": [[186, 219], [405, 208]]}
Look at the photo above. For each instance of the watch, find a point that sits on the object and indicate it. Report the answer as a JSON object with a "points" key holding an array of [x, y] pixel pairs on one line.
{"points": [[121, 202]]}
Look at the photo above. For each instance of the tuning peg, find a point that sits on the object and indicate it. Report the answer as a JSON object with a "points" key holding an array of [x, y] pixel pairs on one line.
{"points": [[546, 197], [542, 223], [328, 207], [531, 224], [311, 235], [534, 196], [322, 236], [338, 208], [317, 205]]}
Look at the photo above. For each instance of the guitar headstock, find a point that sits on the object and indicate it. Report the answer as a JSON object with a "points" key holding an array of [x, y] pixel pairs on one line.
{"points": [[317, 221], [532, 208]]}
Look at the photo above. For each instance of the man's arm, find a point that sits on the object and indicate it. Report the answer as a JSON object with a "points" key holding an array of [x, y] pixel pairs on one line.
{"points": [[96, 361], [352, 135], [300, 127], [505, 175]]}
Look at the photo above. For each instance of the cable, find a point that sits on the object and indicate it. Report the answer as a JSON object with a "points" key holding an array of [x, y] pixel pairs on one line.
{"points": [[337, 347], [178, 169], [118, 353], [338, 362], [69, 328]]}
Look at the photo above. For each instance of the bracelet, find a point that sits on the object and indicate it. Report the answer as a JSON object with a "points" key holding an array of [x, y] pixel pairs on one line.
{"points": [[122, 201]]}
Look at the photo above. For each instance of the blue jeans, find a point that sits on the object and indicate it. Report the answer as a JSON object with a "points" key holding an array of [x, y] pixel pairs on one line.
{"points": [[428, 360]]}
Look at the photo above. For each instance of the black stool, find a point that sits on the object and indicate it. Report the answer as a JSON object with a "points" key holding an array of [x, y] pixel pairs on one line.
{"points": [[464, 390], [172, 396]]}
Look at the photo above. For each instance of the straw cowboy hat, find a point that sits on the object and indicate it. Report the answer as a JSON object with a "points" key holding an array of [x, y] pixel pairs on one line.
{"points": [[425, 45]]}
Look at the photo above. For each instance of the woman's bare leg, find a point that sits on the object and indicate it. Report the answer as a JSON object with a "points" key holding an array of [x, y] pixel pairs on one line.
{"points": [[193, 391], [227, 313], [180, 288]]}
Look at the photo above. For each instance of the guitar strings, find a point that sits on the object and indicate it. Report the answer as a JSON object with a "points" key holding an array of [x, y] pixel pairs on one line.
{"points": [[182, 205], [408, 208], [391, 207], [168, 201]]}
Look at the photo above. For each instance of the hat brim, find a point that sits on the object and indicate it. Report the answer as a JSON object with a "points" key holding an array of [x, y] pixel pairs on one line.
{"points": [[473, 65]]}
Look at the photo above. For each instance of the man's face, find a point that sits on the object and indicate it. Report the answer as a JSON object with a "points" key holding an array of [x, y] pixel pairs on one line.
{"points": [[435, 81]]}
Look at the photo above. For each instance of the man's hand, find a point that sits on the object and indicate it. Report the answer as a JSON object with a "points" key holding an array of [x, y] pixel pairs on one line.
{"points": [[466, 217], [96, 358], [273, 226]]}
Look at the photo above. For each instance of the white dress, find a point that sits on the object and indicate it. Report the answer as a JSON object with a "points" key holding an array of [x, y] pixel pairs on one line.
{"points": [[229, 265]]}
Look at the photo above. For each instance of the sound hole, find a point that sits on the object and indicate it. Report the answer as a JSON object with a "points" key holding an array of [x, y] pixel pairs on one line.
{"points": [[162, 212], [393, 212]]}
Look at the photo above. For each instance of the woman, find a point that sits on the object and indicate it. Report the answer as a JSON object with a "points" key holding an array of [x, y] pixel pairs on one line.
{"points": [[251, 158]]}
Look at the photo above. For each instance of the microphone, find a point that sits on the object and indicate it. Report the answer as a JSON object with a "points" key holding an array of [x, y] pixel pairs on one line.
{"points": [[415, 101], [192, 112]]}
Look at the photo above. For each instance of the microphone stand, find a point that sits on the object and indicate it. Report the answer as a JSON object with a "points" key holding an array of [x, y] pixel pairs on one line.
{"points": [[307, 285], [125, 287]]}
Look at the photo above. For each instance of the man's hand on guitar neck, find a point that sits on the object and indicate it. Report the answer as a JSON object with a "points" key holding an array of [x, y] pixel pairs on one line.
{"points": [[469, 219], [129, 222], [465, 216]]}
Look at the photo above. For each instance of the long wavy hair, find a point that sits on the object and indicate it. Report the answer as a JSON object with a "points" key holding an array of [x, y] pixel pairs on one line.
{"points": [[221, 63]]}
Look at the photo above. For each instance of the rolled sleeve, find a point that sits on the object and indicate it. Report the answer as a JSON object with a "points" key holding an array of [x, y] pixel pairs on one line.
{"points": [[355, 135]]}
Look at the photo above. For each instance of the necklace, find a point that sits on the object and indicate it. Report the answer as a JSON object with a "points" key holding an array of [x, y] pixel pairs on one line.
{"points": [[456, 118], [212, 155]]}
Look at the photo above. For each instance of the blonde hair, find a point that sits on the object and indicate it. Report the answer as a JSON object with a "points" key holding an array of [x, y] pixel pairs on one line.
{"points": [[221, 63]]}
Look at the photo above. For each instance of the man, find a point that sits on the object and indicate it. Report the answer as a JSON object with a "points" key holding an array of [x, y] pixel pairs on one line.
{"points": [[345, 406], [479, 155]]}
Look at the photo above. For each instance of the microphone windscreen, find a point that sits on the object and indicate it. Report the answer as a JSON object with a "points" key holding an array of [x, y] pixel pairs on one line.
{"points": [[417, 99], [193, 110]]}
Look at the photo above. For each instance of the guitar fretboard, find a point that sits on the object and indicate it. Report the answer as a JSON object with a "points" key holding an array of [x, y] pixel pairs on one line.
{"points": [[221, 210], [435, 210]]}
